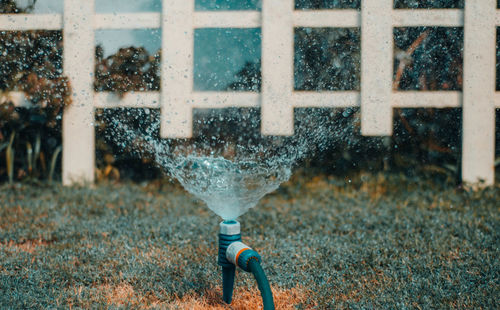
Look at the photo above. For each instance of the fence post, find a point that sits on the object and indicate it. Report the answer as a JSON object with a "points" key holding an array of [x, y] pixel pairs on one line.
{"points": [[177, 68], [478, 147], [376, 67], [78, 121], [277, 67]]}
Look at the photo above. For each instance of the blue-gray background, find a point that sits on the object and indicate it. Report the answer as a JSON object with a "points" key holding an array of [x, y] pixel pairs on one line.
{"points": [[218, 53]]}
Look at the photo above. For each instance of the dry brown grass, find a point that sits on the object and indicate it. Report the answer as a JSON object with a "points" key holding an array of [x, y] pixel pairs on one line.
{"points": [[245, 299], [368, 285], [29, 246], [375, 186], [125, 295]]}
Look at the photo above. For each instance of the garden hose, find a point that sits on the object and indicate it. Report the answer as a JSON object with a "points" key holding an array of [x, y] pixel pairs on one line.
{"points": [[262, 283], [232, 253]]}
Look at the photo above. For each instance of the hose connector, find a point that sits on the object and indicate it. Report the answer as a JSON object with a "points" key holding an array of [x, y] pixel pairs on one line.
{"points": [[240, 255]]}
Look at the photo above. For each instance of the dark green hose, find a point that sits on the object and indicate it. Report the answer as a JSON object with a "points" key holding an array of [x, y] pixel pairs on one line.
{"points": [[228, 283], [262, 283]]}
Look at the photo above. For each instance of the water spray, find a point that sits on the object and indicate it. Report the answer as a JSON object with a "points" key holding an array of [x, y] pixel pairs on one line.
{"points": [[232, 253], [231, 186]]}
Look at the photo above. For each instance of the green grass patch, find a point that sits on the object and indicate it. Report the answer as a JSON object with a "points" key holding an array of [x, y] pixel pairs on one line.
{"points": [[374, 241]]}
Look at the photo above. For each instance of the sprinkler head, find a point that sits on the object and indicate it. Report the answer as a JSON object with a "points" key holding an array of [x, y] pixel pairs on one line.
{"points": [[230, 228], [229, 232]]}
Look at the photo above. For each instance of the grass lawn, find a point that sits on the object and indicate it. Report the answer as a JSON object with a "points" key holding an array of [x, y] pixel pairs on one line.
{"points": [[376, 242]]}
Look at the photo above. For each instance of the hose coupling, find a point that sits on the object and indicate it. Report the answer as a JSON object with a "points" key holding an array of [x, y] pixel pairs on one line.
{"points": [[240, 255]]}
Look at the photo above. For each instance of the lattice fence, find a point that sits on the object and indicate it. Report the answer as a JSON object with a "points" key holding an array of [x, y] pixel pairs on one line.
{"points": [[277, 18]]}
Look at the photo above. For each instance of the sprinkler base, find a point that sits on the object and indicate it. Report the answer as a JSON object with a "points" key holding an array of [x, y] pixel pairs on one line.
{"points": [[228, 234], [232, 253]]}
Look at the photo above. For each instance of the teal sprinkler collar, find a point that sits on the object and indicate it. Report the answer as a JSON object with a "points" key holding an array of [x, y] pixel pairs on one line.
{"points": [[232, 253]]}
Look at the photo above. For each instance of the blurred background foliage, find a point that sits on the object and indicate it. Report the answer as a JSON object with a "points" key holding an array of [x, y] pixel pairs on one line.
{"points": [[130, 69], [424, 140], [12, 7], [30, 62]]}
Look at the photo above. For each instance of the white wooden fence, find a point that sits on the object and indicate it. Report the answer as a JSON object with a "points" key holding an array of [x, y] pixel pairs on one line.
{"points": [[277, 99]]}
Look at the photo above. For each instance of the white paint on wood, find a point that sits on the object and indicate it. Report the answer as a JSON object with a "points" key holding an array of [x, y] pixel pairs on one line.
{"points": [[218, 100], [376, 67], [425, 17], [497, 100], [497, 18], [478, 147], [327, 18], [277, 67], [426, 99], [326, 99], [109, 100], [78, 120], [198, 100], [227, 19], [127, 21], [22, 22], [300, 99], [177, 68]]}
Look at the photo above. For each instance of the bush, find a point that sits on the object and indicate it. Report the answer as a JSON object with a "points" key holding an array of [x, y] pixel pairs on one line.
{"points": [[31, 62]]}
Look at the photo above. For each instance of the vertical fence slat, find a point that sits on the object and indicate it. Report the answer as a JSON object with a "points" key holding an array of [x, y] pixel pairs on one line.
{"points": [[78, 121], [376, 67], [277, 67], [177, 68], [478, 148]]}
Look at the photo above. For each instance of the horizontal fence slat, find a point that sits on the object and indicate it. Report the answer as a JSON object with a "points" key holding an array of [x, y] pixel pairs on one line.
{"points": [[228, 19], [426, 99], [127, 21], [21, 22], [427, 17], [240, 19], [108, 100], [327, 18], [301, 99], [200, 100], [218, 100], [328, 99]]}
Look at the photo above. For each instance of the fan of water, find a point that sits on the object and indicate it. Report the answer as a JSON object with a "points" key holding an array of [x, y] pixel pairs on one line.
{"points": [[228, 188], [229, 175]]}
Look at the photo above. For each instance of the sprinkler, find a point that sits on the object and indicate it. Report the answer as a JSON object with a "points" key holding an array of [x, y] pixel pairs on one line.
{"points": [[232, 253]]}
